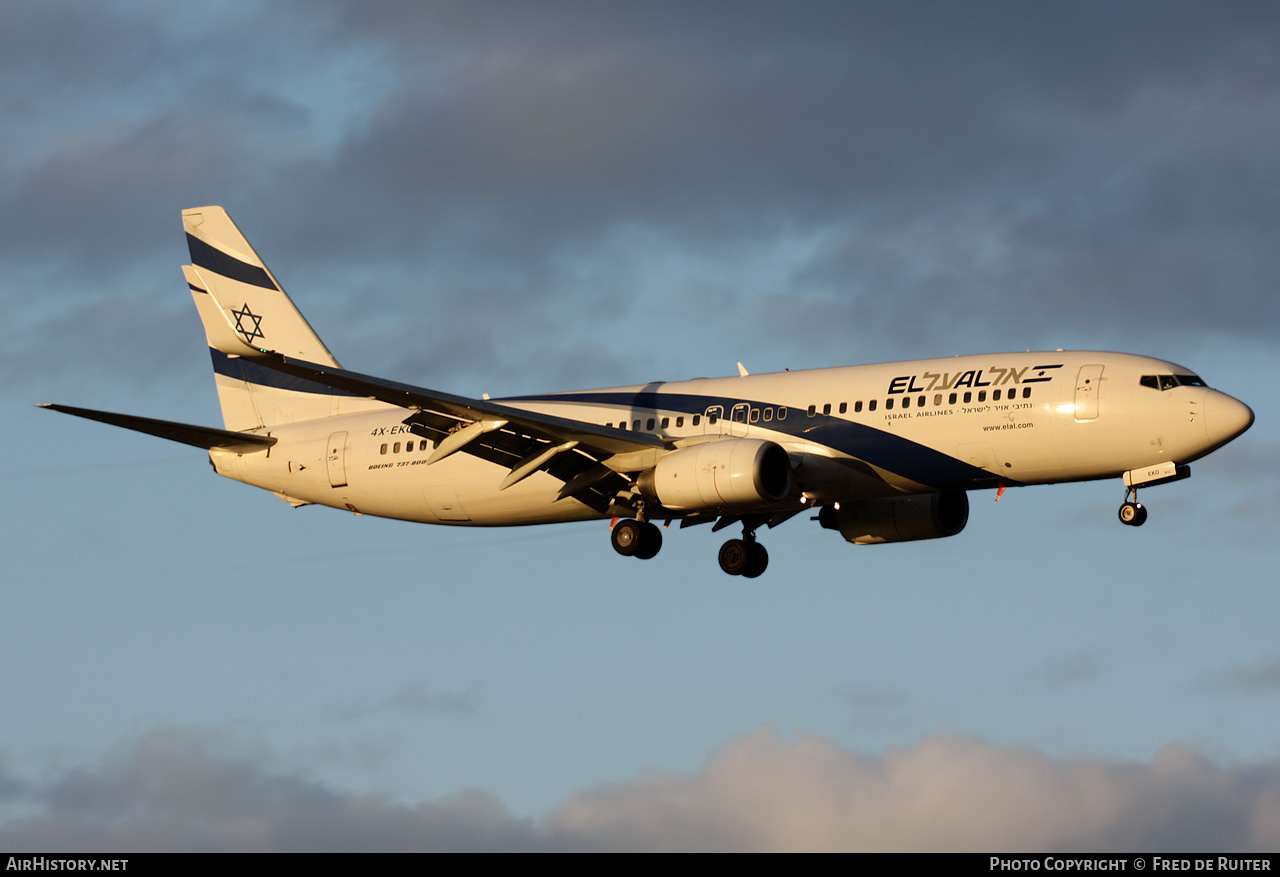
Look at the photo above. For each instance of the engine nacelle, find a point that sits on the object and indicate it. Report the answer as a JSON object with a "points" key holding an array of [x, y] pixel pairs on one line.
{"points": [[718, 474], [899, 518]]}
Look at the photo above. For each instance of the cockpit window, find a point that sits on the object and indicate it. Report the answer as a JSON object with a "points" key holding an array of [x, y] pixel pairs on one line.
{"points": [[1168, 382]]}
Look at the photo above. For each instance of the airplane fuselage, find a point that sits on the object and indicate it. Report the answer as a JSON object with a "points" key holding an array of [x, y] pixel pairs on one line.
{"points": [[925, 426]]}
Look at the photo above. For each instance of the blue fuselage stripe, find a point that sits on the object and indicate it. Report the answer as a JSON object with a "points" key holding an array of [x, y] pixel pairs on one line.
{"points": [[885, 450]]}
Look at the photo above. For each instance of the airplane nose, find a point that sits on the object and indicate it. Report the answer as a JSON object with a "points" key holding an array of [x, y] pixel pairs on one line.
{"points": [[1225, 417]]}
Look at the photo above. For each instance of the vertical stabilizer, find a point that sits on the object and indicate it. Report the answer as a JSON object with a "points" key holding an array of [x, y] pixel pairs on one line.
{"points": [[245, 312], [253, 304]]}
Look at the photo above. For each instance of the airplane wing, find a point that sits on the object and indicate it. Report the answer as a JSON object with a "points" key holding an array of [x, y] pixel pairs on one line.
{"points": [[606, 440], [522, 441]]}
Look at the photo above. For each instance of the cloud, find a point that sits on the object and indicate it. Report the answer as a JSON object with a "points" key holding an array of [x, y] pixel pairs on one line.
{"points": [[1028, 177], [1260, 678], [417, 699], [188, 790], [1069, 670], [874, 699]]}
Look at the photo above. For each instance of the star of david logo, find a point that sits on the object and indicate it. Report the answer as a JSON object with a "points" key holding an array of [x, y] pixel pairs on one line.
{"points": [[248, 324]]}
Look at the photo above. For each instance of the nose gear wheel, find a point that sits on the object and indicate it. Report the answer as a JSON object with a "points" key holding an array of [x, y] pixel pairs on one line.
{"points": [[1132, 513]]}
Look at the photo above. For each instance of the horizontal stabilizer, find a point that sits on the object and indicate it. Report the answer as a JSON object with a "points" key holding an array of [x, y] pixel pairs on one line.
{"points": [[200, 436]]}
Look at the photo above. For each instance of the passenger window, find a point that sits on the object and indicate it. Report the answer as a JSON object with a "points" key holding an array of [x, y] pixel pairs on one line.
{"points": [[826, 409], [920, 402], [665, 422], [635, 425], [384, 448], [857, 407], [649, 423], [951, 400], [968, 397], [697, 419], [768, 414], [782, 413], [844, 406], [1026, 392], [937, 400], [679, 422], [408, 447], [813, 409], [982, 395], [995, 395], [395, 449], [871, 406], [906, 402], [888, 404], [422, 445], [755, 414]]}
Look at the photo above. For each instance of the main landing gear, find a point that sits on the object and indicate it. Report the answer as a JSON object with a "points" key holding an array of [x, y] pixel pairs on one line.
{"points": [[744, 557], [1132, 512], [738, 557], [632, 538]]}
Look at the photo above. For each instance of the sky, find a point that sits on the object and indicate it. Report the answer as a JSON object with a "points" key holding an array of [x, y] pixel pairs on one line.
{"points": [[514, 198]]}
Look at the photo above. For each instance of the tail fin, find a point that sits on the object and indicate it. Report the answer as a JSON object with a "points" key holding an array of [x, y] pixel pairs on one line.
{"points": [[245, 311]]}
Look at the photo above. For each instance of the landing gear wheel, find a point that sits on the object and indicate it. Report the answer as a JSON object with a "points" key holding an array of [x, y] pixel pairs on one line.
{"points": [[757, 560], [733, 557], [627, 536], [739, 557], [632, 538], [650, 541], [1133, 513]]}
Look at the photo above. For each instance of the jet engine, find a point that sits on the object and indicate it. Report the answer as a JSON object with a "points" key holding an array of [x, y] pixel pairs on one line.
{"points": [[898, 519], [718, 474]]}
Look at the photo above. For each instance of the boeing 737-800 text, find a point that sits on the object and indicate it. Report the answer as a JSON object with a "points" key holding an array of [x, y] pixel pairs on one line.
{"points": [[882, 453]]}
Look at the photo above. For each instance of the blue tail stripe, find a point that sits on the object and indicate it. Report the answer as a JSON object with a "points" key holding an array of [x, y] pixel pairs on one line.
{"points": [[205, 256]]}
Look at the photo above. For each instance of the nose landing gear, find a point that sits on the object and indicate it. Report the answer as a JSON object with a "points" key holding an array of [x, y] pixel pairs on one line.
{"points": [[1132, 512]]}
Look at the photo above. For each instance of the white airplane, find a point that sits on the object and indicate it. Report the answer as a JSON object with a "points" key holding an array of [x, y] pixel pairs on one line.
{"points": [[882, 453]]}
